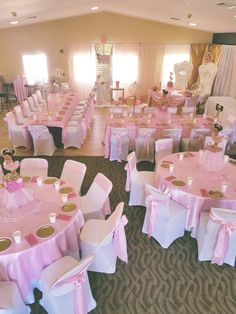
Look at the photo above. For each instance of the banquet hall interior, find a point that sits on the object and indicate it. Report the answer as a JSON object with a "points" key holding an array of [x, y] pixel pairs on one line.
{"points": [[118, 157]]}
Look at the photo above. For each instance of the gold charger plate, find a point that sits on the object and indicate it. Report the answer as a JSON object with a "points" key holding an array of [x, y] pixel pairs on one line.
{"points": [[1, 186], [232, 161], [50, 180], [178, 183], [215, 195], [26, 179], [69, 207], [165, 165], [45, 231], [66, 190], [5, 243]]}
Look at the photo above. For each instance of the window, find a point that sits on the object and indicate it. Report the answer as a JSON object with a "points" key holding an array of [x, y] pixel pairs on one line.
{"points": [[84, 67], [173, 54], [35, 68]]}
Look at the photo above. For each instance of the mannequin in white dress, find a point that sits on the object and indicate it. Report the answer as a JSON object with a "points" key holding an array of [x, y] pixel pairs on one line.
{"points": [[207, 74], [183, 71]]}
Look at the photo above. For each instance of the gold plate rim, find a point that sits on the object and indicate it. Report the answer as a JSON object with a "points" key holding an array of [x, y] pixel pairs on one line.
{"points": [[69, 190], [26, 178], [43, 227], [165, 165], [50, 180], [69, 204], [1, 186], [182, 183], [8, 240], [211, 194]]}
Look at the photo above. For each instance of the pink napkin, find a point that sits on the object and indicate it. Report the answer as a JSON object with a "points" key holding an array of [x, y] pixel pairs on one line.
{"points": [[73, 194], [170, 178], [31, 239], [167, 161], [63, 217], [33, 180], [62, 182], [204, 192]]}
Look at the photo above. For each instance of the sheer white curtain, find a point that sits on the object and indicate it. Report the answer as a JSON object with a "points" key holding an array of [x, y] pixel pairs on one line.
{"points": [[82, 68], [125, 60], [150, 66], [225, 83], [173, 54]]}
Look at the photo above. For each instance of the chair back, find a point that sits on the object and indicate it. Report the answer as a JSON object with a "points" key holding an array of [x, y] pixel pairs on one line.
{"points": [[26, 109], [31, 103], [190, 109], [73, 173], [156, 198], [99, 189], [39, 94], [135, 109], [172, 110], [182, 71], [34, 167], [35, 99], [132, 163], [150, 132], [163, 147], [116, 110], [176, 134], [10, 120], [197, 138], [18, 114]]}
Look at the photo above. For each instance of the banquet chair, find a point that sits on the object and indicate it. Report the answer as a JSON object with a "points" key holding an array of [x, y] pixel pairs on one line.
{"points": [[196, 139], [209, 141], [172, 110], [228, 133], [163, 147], [36, 100], [31, 104], [190, 109], [216, 236], [134, 109], [119, 144], [18, 135], [182, 71], [95, 203], [26, 109], [18, 115], [116, 110], [73, 136], [164, 219], [106, 239], [40, 98], [136, 180], [144, 144], [43, 140], [73, 173], [30, 167], [10, 299], [176, 134], [65, 286], [150, 110]]}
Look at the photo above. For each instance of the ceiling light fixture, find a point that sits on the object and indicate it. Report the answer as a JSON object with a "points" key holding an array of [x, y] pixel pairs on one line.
{"points": [[94, 8], [14, 22], [192, 24]]}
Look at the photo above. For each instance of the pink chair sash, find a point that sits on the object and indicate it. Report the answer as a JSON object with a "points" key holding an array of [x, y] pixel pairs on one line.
{"points": [[120, 244], [128, 183], [152, 211], [146, 142], [222, 240], [119, 136], [80, 299]]}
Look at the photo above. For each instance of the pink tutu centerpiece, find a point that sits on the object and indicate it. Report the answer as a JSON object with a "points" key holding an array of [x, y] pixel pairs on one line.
{"points": [[212, 159]]}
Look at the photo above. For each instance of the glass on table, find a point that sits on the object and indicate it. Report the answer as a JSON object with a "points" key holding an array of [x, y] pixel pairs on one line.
{"points": [[224, 186], [64, 198], [57, 185], [181, 156], [52, 217], [190, 181], [17, 236], [171, 167], [39, 181]]}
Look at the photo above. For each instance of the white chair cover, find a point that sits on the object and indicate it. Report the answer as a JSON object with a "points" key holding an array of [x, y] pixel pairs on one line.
{"points": [[190, 109], [73, 173], [163, 147], [36, 100], [176, 134], [144, 144], [66, 288], [26, 109], [182, 71], [196, 140], [172, 110], [18, 134], [165, 219], [95, 204], [18, 114], [40, 98], [119, 144], [73, 136], [136, 180], [106, 239], [10, 299], [37, 167], [116, 110], [31, 104], [43, 140], [216, 236]]}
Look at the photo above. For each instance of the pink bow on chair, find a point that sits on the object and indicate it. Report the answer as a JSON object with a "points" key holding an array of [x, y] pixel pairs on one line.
{"points": [[120, 244], [119, 136], [80, 300], [152, 211], [222, 243], [128, 183], [146, 142]]}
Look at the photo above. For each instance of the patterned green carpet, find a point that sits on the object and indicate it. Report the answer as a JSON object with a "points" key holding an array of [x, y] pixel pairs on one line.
{"points": [[155, 280]]}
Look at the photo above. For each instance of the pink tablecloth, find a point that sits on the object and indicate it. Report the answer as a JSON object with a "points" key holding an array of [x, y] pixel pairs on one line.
{"points": [[160, 121], [23, 262], [195, 197]]}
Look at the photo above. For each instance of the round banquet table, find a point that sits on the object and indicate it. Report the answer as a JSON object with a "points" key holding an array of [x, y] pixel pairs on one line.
{"points": [[196, 197], [23, 262]]}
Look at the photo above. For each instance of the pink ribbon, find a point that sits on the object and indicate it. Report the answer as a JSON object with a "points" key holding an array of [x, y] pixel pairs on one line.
{"points": [[128, 183], [146, 142], [222, 240], [120, 244], [152, 211], [119, 137], [80, 299]]}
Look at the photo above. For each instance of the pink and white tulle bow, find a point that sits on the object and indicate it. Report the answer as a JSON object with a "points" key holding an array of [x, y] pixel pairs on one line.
{"points": [[128, 183], [222, 243], [152, 211], [119, 137], [80, 298], [120, 244]]}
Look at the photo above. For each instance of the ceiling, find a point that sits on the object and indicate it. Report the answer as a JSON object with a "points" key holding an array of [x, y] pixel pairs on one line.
{"points": [[205, 13]]}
